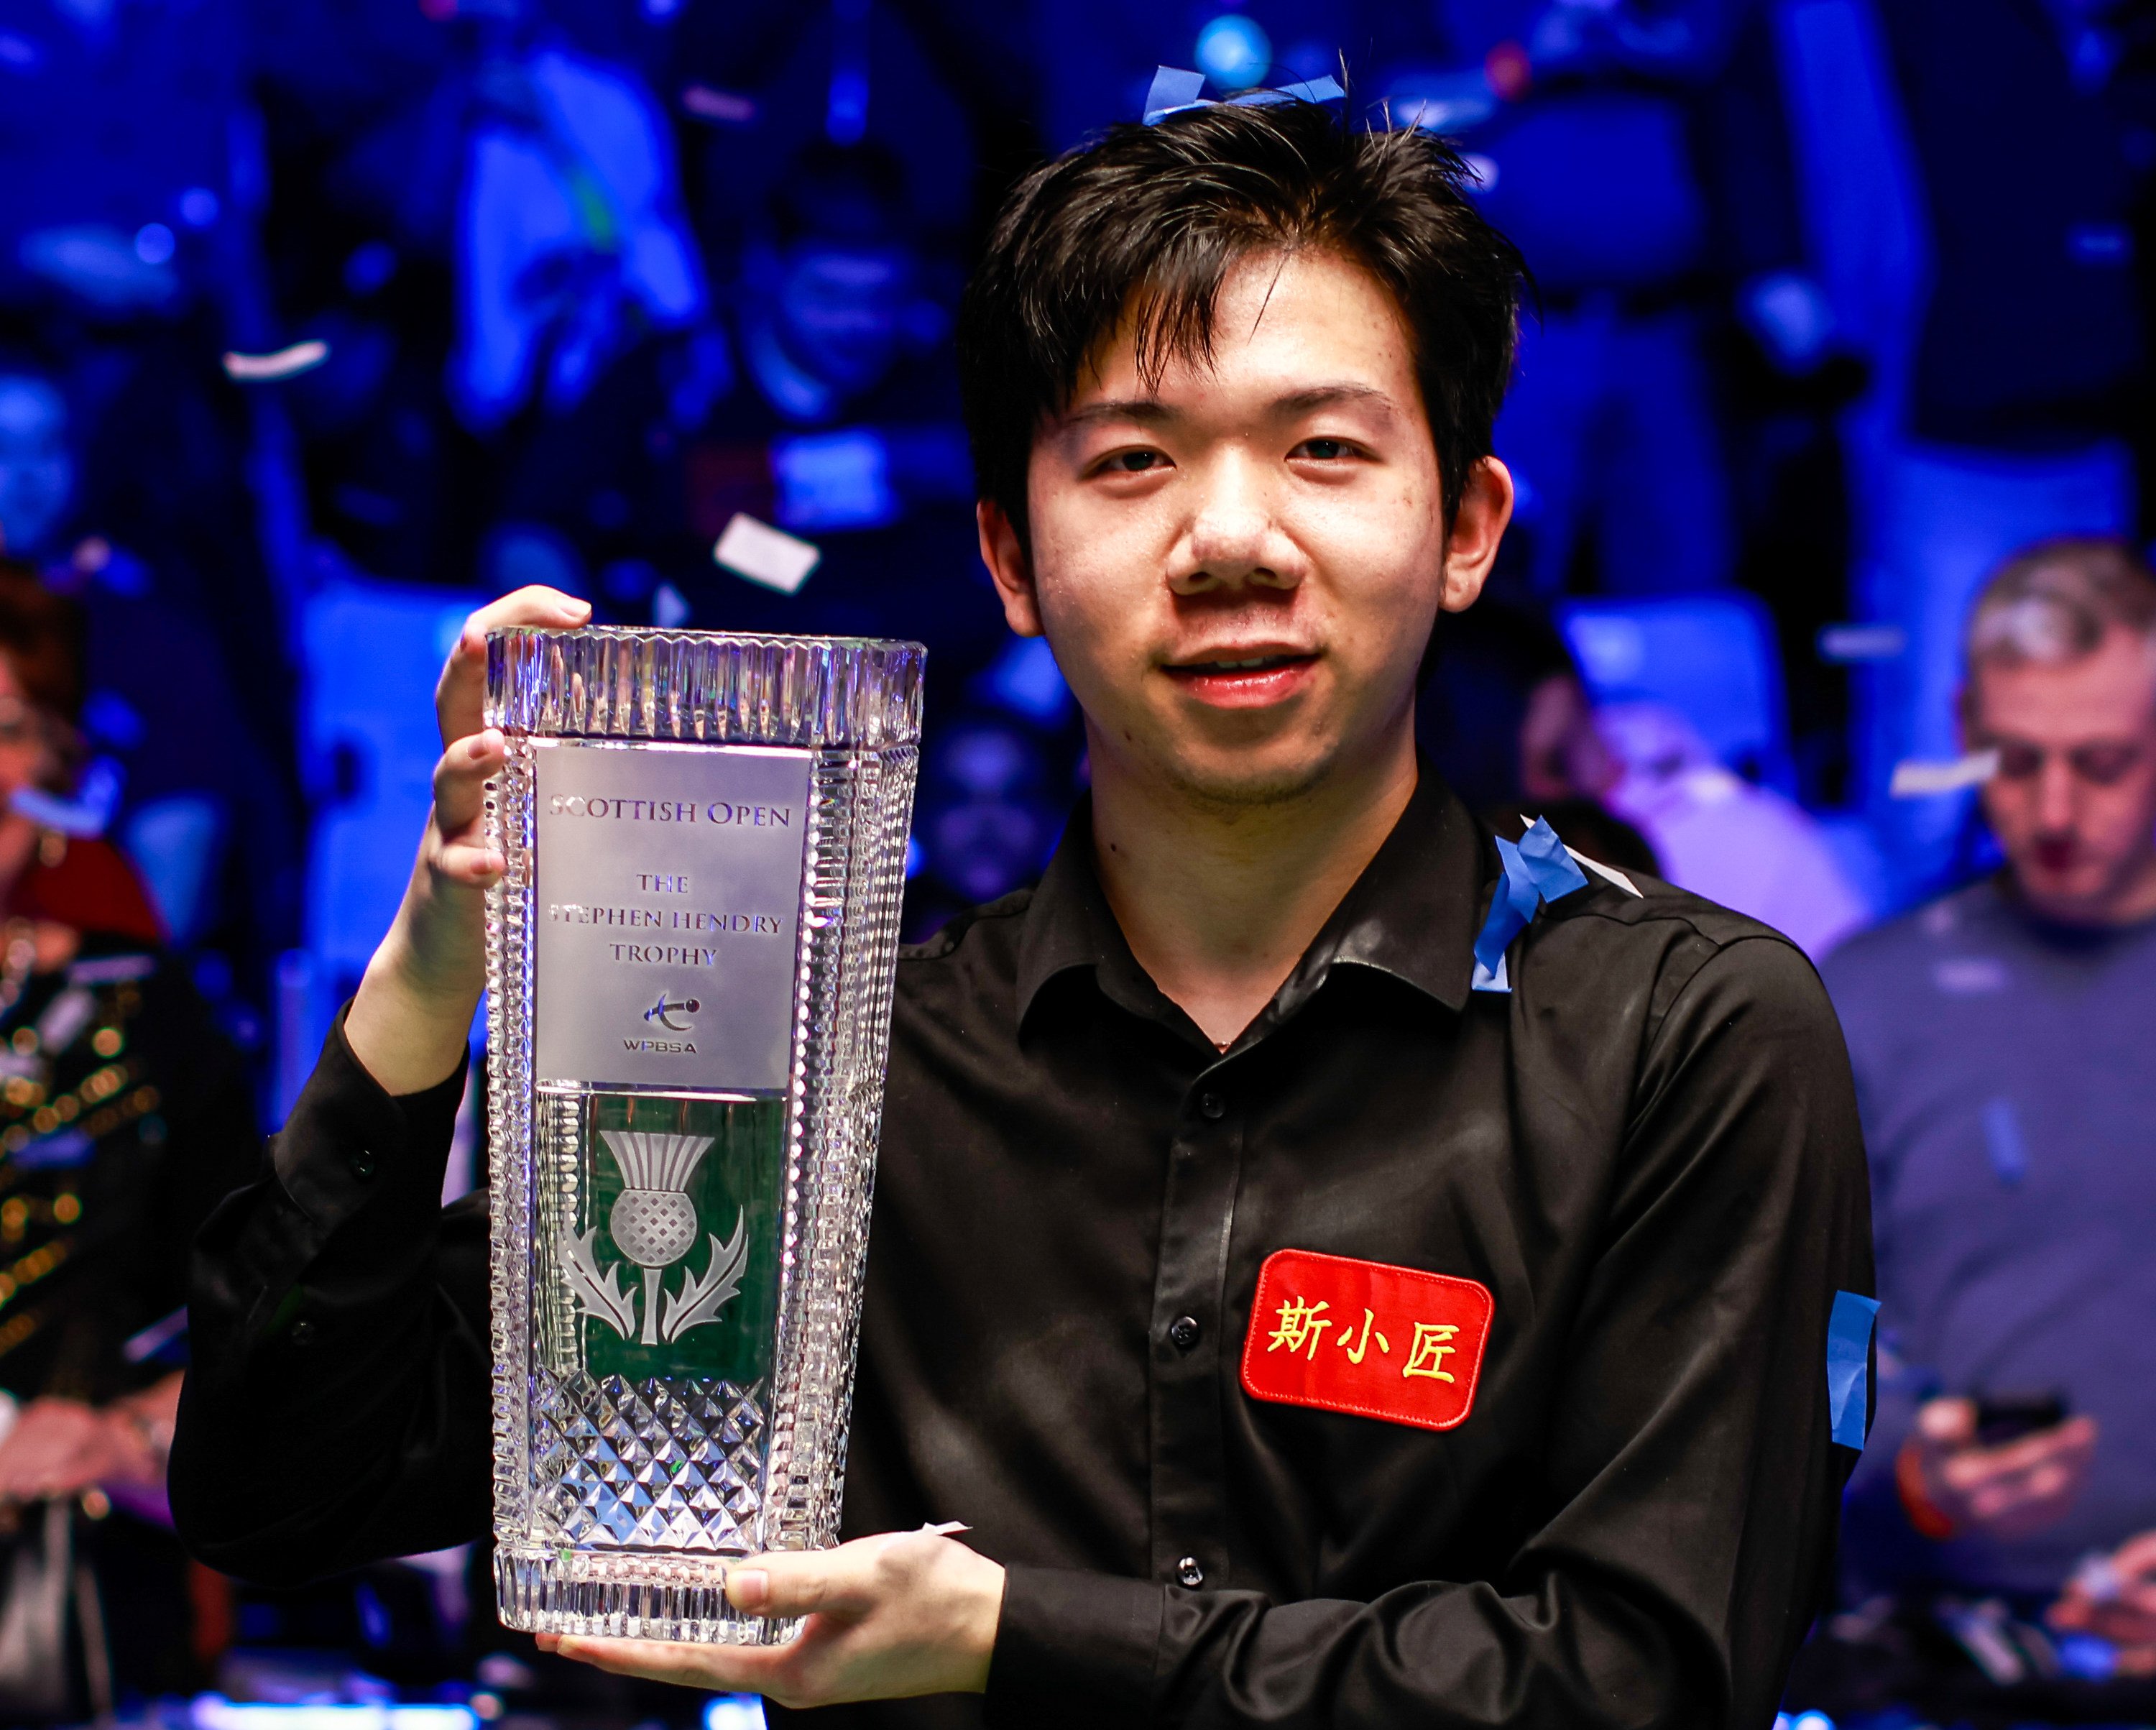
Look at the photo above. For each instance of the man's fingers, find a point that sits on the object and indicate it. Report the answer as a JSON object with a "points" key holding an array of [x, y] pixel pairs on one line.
{"points": [[460, 695], [733, 1670], [799, 1583], [472, 864], [2066, 1445], [461, 774], [2137, 1556], [1947, 1423]]}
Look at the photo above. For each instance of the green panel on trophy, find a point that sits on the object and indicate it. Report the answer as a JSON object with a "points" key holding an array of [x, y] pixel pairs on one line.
{"points": [[674, 1264]]}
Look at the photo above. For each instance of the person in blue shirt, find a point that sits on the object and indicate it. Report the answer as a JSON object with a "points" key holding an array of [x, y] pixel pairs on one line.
{"points": [[2001, 1041]]}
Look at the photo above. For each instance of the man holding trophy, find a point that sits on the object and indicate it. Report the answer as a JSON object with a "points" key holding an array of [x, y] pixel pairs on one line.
{"points": [[1342, 1267]]}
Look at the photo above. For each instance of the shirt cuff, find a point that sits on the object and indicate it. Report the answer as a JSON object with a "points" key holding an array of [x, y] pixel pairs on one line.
{"points": [[1074, 1649], [347, 1139]]}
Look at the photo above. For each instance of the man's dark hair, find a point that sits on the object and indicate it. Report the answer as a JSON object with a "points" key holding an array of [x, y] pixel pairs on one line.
{"points": [[1149, 221]]}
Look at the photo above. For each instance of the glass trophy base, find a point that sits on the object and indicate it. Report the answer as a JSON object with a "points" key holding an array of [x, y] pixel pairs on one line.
{"points": [[627, 1597]]}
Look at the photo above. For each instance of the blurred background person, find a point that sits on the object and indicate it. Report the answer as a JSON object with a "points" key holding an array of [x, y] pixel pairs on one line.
{"points": [[2000, 1040], [1504, 717], [1997, 293], [1611, 429], [1745, 845], [123, 1118]]}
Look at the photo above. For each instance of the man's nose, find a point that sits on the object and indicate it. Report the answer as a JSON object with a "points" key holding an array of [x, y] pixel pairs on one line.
{"points": [[1234, 537], [2057, 796]]}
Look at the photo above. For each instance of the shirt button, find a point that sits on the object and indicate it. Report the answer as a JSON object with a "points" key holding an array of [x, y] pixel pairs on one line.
{"points": [[1190, 1573], [1184, 1330], [303, 1332], [362, 1166], [1213, 1106]]}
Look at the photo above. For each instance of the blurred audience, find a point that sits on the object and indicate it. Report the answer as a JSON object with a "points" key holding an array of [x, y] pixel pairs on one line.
{"points": [[2000, 1040], [987, 817], [1720, 835], [124, 1119], [1995, 289], [1503, 714], [176, 776], [1610, 427]]}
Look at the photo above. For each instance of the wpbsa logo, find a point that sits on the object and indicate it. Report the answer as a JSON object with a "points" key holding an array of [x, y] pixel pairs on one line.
{"points": [[661, 1014]]}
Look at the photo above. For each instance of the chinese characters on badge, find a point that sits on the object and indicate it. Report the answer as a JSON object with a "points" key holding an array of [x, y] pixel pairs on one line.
{"points": [[1395, 1343], [1301, 1322]]}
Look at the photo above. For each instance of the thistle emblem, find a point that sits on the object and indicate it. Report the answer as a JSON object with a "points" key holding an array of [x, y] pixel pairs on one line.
{"points": [[654, 1223]]}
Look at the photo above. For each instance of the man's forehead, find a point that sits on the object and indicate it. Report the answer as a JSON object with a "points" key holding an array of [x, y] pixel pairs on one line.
{"points": [[1302, 328], [2106, 692]]}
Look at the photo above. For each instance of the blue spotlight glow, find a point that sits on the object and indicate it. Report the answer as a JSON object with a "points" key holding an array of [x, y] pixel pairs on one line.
{"points": [[1234, 52]]}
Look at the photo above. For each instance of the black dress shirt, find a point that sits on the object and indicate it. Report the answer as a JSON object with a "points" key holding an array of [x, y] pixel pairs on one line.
{"points": [[1647, 1153]]}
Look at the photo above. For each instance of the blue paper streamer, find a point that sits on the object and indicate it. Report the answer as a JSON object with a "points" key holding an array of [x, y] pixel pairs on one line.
{"points": [[1173, 90], [1848, 1366], [1555, 873], [1537, 870]]}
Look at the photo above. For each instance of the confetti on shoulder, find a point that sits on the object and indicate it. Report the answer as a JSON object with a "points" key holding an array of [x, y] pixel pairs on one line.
{"points": [[766, 554], [948, 1528], [285, 363], [1608, 873]]}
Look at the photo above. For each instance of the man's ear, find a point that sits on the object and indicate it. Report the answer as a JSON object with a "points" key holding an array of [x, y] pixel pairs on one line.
{"points": [[1003, 553], [1478, 526]]}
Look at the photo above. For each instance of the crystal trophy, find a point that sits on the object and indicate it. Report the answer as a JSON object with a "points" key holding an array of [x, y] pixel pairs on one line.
{"points": [[689, 965]]}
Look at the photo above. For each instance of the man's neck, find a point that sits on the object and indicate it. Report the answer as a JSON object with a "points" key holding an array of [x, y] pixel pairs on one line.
{"points": [[1218, 903]]}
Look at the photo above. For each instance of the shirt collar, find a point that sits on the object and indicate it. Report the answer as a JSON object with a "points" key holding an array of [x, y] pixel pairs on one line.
{"points": [[1412, 914]]}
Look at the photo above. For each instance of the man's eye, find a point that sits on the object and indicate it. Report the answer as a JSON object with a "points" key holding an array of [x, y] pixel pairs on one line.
{"points": [[2106, 765], [1133, 462], [1325, 451]]}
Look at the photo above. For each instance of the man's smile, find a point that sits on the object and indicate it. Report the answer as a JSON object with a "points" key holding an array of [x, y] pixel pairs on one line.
{"points": [[1243, 676]]}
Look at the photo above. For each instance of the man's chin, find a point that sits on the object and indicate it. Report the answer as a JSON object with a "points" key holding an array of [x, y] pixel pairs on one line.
{"points": [[1254, 779], [2077, 895]]}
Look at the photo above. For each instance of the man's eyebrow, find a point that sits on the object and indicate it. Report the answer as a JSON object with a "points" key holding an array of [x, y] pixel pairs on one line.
{"points": [[1150, 411], [1330, 396]]}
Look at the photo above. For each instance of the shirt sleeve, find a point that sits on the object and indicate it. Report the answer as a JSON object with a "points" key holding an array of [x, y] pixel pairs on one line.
{"points": [[335, 1408], [1684, 1491]]}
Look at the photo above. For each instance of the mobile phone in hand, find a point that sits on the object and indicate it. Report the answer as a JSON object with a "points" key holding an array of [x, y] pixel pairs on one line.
{"points": [[2002, 1418]]}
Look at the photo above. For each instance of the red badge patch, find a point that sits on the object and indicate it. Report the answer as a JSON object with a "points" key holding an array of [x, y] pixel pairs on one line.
{"points": [[1359, 1337]]}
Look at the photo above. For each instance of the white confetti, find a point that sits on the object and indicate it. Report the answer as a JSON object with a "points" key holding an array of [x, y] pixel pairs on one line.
{"points": [[766, 554], [1850, 644], [285, 363], [1914, 778], [1608, 873], [949, 1528]]}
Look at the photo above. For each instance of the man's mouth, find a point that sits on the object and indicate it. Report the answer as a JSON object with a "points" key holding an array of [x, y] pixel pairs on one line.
{"points": [[1244, 678]]}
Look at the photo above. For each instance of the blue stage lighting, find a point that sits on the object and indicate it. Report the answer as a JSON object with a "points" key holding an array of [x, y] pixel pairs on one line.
{"points": [[1234, 52]]}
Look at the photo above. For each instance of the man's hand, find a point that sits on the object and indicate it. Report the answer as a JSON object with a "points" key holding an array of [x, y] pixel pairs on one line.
{"points": [[907, 1613], [408, 1022], [61, 1447], [2116, 1602], [2010, 1492]]}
